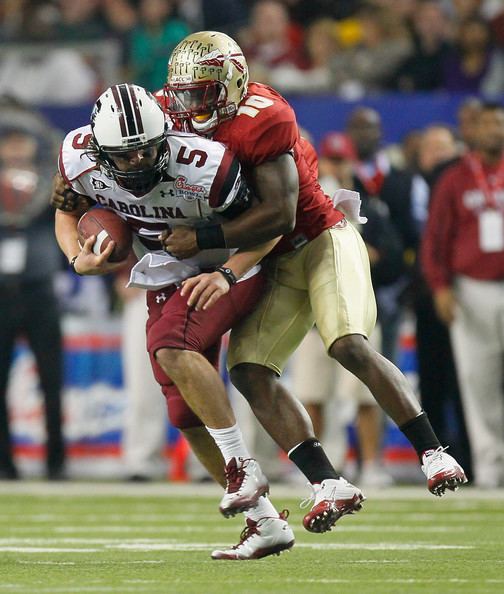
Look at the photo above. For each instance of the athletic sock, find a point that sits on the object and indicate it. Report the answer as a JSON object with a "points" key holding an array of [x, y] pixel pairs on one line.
{"points": [[420, 434], [310, 458], [263, 509], [230, 442]]}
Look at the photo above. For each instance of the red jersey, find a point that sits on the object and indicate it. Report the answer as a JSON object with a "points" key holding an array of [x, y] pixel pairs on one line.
{"points": [[451, 243], [264, 128]]}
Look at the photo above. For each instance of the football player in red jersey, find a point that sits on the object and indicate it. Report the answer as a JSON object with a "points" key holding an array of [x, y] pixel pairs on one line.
{"points": [[319, 272]]}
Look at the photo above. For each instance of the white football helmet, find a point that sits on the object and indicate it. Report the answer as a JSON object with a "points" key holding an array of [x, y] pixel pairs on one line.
{"points": [[128, 118], [207, 79]]}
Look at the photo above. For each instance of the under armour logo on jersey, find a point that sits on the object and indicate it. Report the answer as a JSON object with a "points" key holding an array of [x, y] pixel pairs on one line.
{"points": [[161, 297], [98, 184], [168, 193]]}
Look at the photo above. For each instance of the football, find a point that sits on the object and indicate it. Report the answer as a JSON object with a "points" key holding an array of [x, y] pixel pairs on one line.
{"points": [[107, 226]]}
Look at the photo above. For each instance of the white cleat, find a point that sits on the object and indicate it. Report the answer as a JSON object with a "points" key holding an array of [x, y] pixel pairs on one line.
{"points": [[245, 484], [442, 471], [332, 499], [267, 536]]}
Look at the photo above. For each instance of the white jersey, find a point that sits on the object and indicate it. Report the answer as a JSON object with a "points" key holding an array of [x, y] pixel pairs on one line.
{"points": [[202, 180]]}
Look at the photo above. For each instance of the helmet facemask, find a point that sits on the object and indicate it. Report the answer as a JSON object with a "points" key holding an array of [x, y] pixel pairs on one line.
{"points": [[137, 181], [201, 107]]}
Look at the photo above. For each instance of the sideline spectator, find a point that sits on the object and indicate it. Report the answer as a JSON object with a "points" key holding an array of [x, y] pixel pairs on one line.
{"points": [[463, 262], [409, 150], [376, 177], [437, 376], [29, 259], [467, 117]]}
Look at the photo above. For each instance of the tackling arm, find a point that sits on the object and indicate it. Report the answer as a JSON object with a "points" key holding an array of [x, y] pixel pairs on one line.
{"points": [[276, 185], [66, 199]]}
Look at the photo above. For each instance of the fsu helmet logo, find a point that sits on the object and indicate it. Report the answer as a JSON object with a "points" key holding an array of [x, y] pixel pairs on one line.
{"points": [[217, 59]]}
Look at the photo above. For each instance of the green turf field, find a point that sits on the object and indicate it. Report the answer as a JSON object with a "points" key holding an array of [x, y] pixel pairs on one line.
{"points": [[83, 538]]}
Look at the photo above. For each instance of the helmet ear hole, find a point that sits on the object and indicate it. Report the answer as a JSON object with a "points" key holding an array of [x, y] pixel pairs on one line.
{"points": [[239, 83]]}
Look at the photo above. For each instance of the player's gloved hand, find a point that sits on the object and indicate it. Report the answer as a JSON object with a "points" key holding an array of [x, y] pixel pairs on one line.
{"points": [[204, 290], [65, 199], [180, 242], [88, 263]]}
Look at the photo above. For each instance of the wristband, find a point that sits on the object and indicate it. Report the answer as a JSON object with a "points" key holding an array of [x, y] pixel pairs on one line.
{"points": [[210, 237], [228, 274], [72, 266]]}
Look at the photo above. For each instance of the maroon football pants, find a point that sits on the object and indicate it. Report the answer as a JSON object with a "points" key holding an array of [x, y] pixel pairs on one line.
{"points": [[172, 324]]}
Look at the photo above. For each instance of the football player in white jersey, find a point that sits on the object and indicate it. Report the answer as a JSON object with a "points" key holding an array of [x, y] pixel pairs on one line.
{"points": [[156, 179]]}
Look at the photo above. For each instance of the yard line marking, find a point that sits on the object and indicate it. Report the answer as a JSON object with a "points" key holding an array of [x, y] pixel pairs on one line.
{"points": [[196, 490], [100, 589], [154, 544], [374, 520], [233, 528], [134, 562], [46, 562], [385, 546], [421, 517], [109, 517], [369, 547], [46, 550], [393, 581], [189, 546], [91, 541], [147, 529], [125, 588]]}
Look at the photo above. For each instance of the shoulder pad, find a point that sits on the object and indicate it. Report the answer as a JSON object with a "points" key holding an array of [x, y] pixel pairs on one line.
{"points": [[73, 160]]}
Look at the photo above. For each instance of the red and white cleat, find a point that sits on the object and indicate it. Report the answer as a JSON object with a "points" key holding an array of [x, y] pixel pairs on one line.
{"points": [[332, 499], [442, 471], [267, 536], [245, 484]]}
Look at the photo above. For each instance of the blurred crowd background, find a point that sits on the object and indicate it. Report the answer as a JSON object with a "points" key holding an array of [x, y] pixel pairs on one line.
{"points": [[72, 50], [420, 68]]}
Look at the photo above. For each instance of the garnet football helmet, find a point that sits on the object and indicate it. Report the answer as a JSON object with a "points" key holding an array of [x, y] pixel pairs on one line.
{"points": [[207, 79], [128, 119]]}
